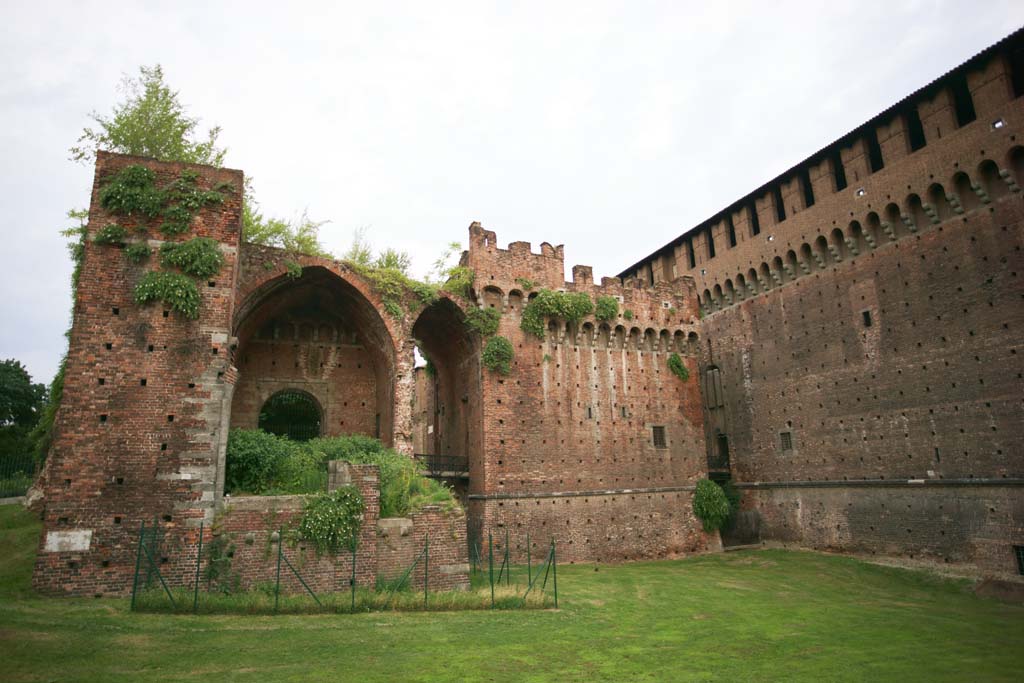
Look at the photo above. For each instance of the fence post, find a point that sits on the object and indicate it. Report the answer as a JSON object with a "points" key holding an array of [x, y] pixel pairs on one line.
{"points": [[490, 563], [426, 568], [554, 571], [138, 562], [352, 581], [508, 562], [529, 563], [199, 557], [280, 550]]}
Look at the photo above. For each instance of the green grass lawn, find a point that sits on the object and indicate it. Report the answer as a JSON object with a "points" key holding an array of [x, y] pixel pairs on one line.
{"points": [[766, 615]]}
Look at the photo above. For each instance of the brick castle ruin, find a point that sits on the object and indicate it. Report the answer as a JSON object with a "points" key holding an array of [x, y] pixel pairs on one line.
{"points": [[852, 331]]}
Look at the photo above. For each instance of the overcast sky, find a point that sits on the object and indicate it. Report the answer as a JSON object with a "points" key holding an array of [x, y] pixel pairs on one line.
{"points": [[610, 127]]}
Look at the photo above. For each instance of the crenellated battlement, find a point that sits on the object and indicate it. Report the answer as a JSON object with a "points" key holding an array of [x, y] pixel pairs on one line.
{"points": [[506, 279]]}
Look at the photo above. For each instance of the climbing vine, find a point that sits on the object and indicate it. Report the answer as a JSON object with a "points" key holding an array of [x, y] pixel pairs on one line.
{"points": [[133, 192], [526, 283], [110, 234], [607, 308], [497, 355], [484, 321], [178, 291], [331, 521], [678, 367], [200, 256], [569, 306]]}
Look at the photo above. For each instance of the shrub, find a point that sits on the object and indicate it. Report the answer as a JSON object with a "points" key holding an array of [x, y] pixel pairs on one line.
{"points": [[498, 354], [460, 281], [710, 505], [483, 320], [261, 463], [254, 458], [607, 308], [331, 521], [678, 367], [174, 289], [200, 256]]}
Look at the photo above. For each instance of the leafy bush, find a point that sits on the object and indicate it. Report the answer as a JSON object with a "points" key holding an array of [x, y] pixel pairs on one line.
{"points": [[460, 280], [254, 459], [110, 234], [710, 505], [200, 256], [331, 521], [483, 320], [262, 463], [174, 289], [498, 354], [627, 314], [678, 367], [569, 306], [607, 308]]}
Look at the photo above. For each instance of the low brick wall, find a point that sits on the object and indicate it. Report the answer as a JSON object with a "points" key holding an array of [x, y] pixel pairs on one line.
{"points": [[400, 541], [387, 547], [250, 525]]}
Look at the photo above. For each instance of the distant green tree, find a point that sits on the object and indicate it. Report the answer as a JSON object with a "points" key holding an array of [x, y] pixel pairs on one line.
{"points": [[150, 122], [21, 401]]}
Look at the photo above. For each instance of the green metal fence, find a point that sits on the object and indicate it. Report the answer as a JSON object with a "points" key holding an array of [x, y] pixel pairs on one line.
{"points": [[492, 583], [16, 475]]}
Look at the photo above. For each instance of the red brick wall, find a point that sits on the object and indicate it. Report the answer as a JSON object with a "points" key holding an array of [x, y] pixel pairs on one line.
{"points": [[931, 390], [554, 428], [105, 478], [400, 542], [250, 524]]}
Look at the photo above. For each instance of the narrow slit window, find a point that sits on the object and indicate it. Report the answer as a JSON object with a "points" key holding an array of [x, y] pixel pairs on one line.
{"points": [[805, 183], [915, 130], [866, 316], [690, 256], [730, 230], [874, 151], [755, 224], [711, 244], [963, 103], [780, 208], [838, 171]]}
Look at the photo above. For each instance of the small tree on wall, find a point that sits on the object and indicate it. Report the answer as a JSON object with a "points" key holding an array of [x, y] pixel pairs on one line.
{"points": [[710, 505]]}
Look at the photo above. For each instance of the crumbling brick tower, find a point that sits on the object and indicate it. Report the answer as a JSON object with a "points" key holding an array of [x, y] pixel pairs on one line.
{"points": [[863, 314]]}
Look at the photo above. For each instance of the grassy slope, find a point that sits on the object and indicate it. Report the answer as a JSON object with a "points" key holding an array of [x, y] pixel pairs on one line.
{"points": [[765, 615]]}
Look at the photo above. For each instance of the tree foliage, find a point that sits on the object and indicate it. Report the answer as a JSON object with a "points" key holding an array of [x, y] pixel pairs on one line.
{"points": [[150, 122], [21, 403], [710, 505], [301, 236]]}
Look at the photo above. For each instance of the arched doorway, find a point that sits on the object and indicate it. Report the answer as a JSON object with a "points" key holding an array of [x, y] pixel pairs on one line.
{"points": [[292, 413], [314, 344]]}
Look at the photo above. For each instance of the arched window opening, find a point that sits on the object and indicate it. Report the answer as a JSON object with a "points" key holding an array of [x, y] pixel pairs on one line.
{"points": [[874, 235], [965, 196], [991, 186], [821, 251], [807, 260], [937, 207], [894, 226], [837, 245], [293, 414], [918, 218]]}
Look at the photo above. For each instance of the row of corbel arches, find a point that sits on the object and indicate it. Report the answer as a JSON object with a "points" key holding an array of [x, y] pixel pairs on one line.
{"points": [[962, 194], [604, 336]]}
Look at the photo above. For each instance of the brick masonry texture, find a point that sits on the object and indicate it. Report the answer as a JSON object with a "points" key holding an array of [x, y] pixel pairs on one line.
{"points": [[878, 327], [852, 331]]}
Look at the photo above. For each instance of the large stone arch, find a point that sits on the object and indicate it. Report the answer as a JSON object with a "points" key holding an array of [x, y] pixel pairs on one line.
{"points": [[313, 324], [452, 386]]}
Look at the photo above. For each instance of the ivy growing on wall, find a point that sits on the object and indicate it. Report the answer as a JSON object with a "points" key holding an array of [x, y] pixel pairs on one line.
{"points": [[177, 291], [607, 308], [568, 306], [498, 354], [678, 367], [484, 321], [133, 191], [200, 256], [331, 521], [110, 234]]}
